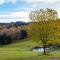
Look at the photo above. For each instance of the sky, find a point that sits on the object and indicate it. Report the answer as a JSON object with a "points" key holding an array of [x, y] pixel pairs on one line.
{"points": [[18, 10]]}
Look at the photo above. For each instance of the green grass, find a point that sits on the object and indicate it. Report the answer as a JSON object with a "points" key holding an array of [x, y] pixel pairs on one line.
{"points": [[21, 51]]}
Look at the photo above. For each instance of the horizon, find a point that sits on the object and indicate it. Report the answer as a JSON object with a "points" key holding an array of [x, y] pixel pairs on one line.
{"points": [[18, 10]]}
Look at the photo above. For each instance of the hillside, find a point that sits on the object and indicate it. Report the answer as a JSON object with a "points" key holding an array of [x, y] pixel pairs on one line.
{"points": [[17, 51], [13, 24], [21, 51]]}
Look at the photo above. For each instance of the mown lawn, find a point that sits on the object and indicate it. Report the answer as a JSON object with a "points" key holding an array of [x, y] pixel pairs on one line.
{"points": [[21, 51]]}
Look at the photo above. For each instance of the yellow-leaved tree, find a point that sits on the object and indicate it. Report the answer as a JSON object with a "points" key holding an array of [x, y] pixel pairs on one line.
{"points": [[41, 25]]}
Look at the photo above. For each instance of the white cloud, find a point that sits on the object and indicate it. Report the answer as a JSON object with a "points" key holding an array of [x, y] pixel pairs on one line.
{"points": [[37, 1], [2, 1], [58, 11], [12, 1], [15, 16], [6, 1], [22, 14]]}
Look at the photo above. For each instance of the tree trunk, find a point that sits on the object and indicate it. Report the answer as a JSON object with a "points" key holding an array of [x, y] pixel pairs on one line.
{"points": [[44, 52]]}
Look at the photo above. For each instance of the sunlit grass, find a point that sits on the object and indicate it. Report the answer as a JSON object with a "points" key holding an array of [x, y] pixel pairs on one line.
{"points": [[21, 51]]}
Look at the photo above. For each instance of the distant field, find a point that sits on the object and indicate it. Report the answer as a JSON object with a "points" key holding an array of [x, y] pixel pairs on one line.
{"points": [[21, 51]]}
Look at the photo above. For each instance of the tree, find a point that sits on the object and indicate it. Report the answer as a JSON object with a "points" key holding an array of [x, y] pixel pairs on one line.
{"points": [[41, 25], [41, 15]]}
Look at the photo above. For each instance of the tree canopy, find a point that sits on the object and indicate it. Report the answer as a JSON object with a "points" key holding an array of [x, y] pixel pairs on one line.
{"points": [[43, 14]]}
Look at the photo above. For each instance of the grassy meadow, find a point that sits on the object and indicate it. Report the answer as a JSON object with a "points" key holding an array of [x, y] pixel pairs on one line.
{"points": [[21, 51]]}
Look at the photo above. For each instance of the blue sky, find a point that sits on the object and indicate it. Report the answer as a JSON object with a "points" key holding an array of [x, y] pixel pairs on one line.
{"points": [[18, 10]]}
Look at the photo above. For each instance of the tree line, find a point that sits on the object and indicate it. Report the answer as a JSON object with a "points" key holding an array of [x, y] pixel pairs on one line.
{"points": [[13, 34]]}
